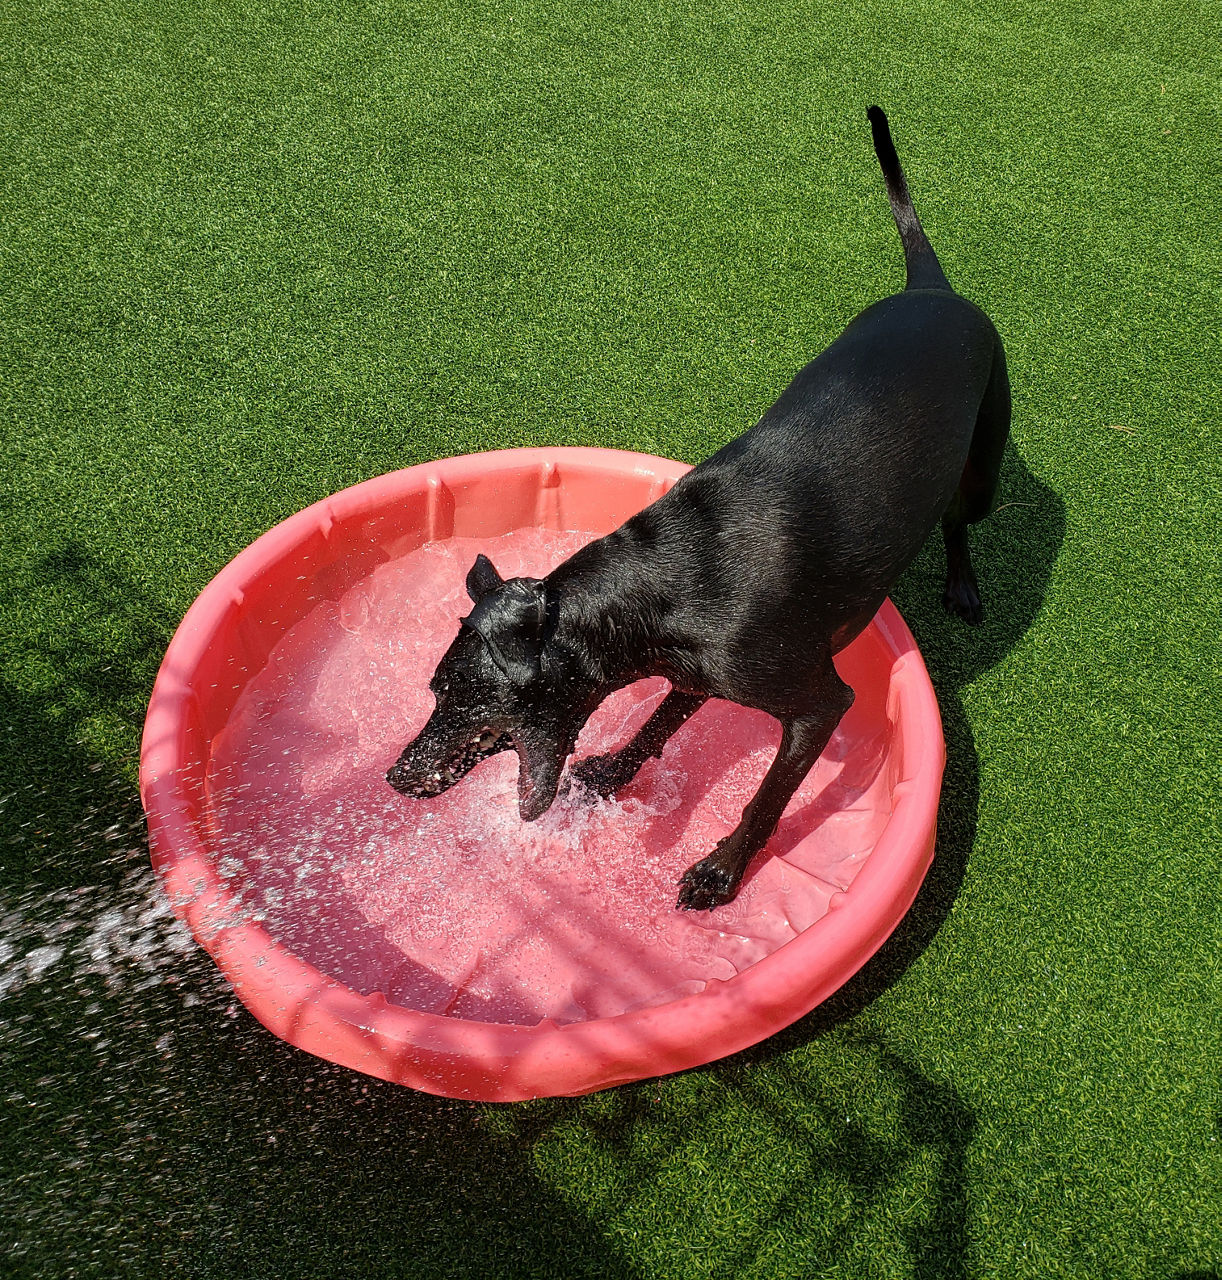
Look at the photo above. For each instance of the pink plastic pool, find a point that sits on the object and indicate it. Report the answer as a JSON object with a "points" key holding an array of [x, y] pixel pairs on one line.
{"points": [[445, 944]]}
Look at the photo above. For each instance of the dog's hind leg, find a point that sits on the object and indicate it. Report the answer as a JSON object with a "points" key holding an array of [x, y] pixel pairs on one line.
{"points": [[977, 490], [715, 879], [606, 774]]}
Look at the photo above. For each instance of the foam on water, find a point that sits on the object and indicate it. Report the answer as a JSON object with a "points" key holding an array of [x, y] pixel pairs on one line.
{"points": [[455, 906]]}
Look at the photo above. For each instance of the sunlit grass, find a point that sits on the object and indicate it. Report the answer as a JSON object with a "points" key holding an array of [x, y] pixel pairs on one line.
{"points": [[255, 253]]}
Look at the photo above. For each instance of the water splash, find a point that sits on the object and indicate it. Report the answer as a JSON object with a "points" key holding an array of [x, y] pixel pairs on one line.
{"points": [[454, 905]]}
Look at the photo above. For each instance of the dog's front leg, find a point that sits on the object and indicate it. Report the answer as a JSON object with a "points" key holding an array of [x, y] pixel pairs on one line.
{"points": [[606, 774], [715, 879]]}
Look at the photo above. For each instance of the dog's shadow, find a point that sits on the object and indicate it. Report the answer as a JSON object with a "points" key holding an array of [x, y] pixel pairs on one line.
{"points": [[1014, 551]]}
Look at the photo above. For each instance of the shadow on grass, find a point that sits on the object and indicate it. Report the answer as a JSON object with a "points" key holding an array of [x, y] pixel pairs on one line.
{"points": [[155, 1129], [156, 1124], [75, 681], [852, 1158]]}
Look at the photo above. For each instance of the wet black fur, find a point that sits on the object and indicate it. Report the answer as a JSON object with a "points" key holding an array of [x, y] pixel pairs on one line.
{"points": [[759, 565]]}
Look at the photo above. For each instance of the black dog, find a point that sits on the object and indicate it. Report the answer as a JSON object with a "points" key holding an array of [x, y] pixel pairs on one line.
{"points": [[759, 565]]}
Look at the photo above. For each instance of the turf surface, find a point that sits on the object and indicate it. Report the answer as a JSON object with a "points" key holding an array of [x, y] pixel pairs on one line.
{"points": [[255, 253]]}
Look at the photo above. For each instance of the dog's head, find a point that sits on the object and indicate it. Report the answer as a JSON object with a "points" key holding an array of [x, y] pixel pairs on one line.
{"points": [[500, 685]]}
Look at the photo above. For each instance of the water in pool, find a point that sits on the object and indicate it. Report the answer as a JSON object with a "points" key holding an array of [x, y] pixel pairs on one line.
{"points": [[454, 905]]}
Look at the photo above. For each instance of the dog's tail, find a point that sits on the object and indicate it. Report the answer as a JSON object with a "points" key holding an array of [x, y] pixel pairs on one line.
{"points": [[924, 269]]}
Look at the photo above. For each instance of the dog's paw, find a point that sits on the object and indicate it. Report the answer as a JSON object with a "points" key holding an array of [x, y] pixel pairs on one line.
{"points": [[603, 775], [963, 600], [706, 885]]}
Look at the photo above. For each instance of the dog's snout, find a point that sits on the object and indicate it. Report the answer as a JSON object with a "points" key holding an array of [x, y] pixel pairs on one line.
{"points": [[424, 771]]}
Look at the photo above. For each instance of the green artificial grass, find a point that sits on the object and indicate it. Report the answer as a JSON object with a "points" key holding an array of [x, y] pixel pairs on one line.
{"points": [[254, 253]]}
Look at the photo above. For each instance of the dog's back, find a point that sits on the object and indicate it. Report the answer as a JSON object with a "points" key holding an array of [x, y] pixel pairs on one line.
{"points": [[799, 528], [744, 580], [860, 456]]}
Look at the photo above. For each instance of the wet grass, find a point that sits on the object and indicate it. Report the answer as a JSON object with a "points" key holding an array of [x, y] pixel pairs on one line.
{"points": [[253, 254]]}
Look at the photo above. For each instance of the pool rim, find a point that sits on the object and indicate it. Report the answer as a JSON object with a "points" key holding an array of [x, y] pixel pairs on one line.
{"points": [[497, 1061]]}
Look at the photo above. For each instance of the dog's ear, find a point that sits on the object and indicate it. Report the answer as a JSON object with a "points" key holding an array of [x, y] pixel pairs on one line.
{"points": [[482, 577], [510, 622]]}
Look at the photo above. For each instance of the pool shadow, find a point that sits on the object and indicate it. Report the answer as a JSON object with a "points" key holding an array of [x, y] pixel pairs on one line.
{"points": [[852, 1130]]}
